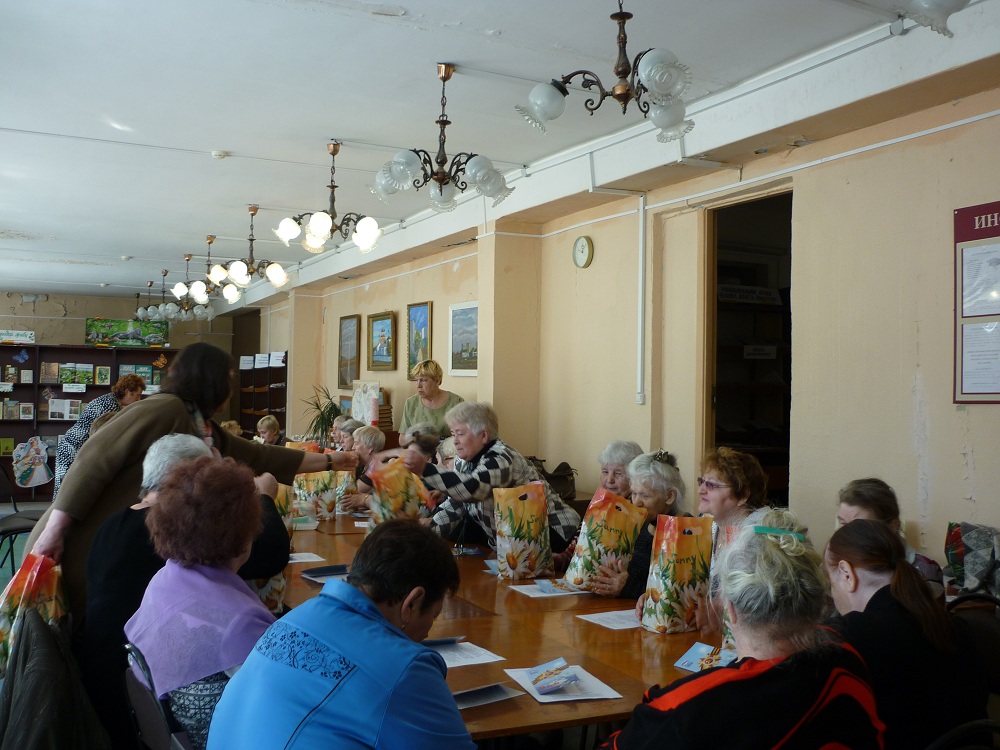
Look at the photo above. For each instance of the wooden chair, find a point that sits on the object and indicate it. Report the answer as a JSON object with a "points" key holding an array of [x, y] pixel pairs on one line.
{"points": [[156, 725]]}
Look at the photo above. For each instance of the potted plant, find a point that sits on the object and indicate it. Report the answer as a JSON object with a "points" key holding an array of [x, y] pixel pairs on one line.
{"points": [[323, 408]]}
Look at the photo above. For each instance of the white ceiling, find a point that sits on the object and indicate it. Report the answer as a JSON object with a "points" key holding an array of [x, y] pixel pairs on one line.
{"points": [[110, 109]]}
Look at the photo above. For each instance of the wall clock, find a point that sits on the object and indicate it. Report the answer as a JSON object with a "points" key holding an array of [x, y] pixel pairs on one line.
{"points": [[583, 251]]}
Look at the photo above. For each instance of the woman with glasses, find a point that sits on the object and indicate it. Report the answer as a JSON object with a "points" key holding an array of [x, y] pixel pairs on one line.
{"points": [[430, 403], [656, 487]]}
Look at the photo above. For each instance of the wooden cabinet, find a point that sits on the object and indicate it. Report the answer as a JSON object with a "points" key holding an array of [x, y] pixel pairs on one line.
{"points": [[98, 364], [263, 390]]}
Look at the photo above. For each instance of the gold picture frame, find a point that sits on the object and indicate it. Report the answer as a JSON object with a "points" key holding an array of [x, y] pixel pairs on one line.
{"points": [[382, 341]]}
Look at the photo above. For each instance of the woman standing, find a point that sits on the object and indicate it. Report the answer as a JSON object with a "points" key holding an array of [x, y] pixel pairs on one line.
{"points": [[924, 683], [430, 402], [126, 391]]}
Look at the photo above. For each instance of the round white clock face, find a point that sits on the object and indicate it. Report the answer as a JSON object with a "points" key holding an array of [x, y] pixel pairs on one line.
{"points": [[583, 251]]}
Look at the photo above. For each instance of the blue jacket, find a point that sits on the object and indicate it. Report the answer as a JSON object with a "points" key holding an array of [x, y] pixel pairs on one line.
{"points": [[335, 673]]}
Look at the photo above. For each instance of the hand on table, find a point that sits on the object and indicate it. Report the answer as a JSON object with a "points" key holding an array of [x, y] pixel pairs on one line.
{"points": [[610, 579], [358, 501], [639, 605]]}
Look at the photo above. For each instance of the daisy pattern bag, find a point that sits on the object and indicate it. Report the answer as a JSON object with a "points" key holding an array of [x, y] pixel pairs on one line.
{"points": [[678, 573], [608, 534], [324, 490], [522, 525], [396, 493]]}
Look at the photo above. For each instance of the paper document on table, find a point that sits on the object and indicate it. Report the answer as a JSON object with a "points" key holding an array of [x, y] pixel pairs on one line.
{"points": [[480, 696], [464, 654], [546, 587], [301, 557], [586, 688], [624, 619], [491, 566]]}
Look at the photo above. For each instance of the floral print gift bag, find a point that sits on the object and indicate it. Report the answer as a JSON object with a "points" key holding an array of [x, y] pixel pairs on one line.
{"points": [[608, 534], [678, 573], [522, 523], [396, 493]]}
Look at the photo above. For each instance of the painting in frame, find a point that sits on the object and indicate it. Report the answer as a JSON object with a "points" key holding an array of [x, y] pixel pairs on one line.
{"points": [[418, 335], [382, 341], [349, 351], [463, 339]]}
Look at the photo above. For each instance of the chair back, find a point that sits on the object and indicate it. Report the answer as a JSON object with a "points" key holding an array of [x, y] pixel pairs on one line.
{"points": [[983, 623], [154, 722]]}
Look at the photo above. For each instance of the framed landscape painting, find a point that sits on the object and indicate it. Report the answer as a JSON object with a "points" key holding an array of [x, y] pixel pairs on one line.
{"points": [[418, 335], [463, 339], [382, 341], [349, 357]]}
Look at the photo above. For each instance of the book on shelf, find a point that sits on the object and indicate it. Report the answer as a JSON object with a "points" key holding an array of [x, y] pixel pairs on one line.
{"points": [[6, 446], [124, 370], [145, 372], [51, 443], [10, 373], [48, 372], [64, 408], [84, 373], [10, 409], [27, 376], [67, 372], [26, 410], [102, 375], [157, 377], [42, 410]]}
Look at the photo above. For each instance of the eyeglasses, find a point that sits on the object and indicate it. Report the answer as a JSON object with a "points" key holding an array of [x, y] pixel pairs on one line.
{"points": [[709, 484]]}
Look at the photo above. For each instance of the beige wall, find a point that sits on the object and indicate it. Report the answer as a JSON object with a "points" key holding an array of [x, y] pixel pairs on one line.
{"points": [[60, 319]]}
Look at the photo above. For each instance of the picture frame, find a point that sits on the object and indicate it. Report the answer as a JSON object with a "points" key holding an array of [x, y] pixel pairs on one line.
{"points": [[345, 404], [463, 339], [348, 351], [102, 375], [382, 341], [419, 335]]}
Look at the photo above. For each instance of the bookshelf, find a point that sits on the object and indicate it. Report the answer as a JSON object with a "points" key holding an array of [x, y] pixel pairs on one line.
{"points": [[98, 369], [263, 390]]}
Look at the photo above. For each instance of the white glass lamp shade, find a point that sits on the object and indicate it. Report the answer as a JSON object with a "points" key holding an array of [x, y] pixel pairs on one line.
{"points": [[276, 274], [478, 169], [663, 76], [210, 313], [180, 289], [218, 274], [198, 288], [199, 312], [201, 299], [669, 118], [312, 243], [172, 310], [495, 187], [383, 187], [320, 225], [545, 102], [141, 314], [932, 13], [404, 168], [443, 197], [231, 292], [239, 273], [152, 312], [367, 234], [185, 315], [288, 229]]}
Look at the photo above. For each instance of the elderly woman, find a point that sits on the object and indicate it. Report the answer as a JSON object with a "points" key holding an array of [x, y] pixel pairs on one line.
{"points": [[126, 391], [906, 637], [270, 431], [874, 500], [345, 433], [484, 462], [347, 668], [107, 474], [123, 561], [791, 685], [614, 461], [367, 442], [198, 620], [430, 403], [657, 488]]}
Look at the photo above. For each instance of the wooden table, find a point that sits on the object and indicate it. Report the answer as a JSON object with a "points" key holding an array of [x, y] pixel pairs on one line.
{"points": [[526, 631]]}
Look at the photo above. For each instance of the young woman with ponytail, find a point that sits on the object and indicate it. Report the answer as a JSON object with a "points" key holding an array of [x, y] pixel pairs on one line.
{"points": [[924, 677]]}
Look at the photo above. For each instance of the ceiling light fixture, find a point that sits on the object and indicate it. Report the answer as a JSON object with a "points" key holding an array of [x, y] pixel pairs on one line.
{"points": [[192, 297], [322, 225], [932, 13], [416, 168], [655, 75], [241, 272]]}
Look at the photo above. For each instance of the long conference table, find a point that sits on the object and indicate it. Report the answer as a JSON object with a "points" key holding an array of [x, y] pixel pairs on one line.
{"points": [[526, 631]]}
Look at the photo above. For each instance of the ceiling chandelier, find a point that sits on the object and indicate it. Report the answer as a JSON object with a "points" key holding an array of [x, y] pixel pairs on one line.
{"points": [[322, 225], [187, 307], [241, 272], [190, 293], [416, 168], [655, 81], [932, 13]]}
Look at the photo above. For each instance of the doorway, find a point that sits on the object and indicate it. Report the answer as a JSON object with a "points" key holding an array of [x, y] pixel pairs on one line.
{"points": [[752, 383]]}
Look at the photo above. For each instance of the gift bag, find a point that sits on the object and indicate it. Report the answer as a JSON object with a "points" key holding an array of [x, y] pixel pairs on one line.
{"points": [[522, 525], [283, 504], [271, 592], [608, 534], [37, 585], [309, 446], [324, 490], [396, 493], [678, 573]]}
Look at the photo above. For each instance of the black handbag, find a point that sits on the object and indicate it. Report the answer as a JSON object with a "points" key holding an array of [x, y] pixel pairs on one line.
{"points": [[562, 479]]}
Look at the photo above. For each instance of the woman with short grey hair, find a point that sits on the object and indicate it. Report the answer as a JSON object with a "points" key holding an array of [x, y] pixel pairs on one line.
{"points": [[614, 461], [812, 688]]}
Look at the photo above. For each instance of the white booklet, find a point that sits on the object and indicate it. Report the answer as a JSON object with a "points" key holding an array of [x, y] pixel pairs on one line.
{"points": [[480, 696], [624, 619], [587, 687]]}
